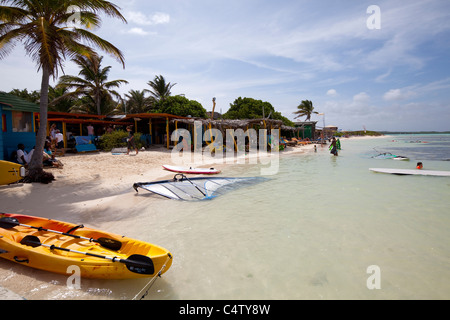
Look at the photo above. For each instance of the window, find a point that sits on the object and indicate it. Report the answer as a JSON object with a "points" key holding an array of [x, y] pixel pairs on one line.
{"points": [[21, 121]]}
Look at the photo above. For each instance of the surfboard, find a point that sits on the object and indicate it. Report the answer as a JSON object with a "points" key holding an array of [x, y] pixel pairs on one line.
{"points": [[11, 172], [412, 172], [401, 158], [191, 170]]}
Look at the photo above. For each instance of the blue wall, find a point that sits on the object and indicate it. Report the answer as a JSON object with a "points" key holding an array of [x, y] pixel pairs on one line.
{"points": [[9, 140]]}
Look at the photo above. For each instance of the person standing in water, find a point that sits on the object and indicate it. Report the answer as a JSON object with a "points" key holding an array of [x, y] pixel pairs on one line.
{"points": [[333, 147]]}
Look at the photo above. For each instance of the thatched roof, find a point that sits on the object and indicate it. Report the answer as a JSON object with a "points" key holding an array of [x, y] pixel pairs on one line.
{"points": [[234, 124]]}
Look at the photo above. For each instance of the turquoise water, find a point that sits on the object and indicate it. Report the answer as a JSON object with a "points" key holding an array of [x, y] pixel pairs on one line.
{"points": [[420, 147], [312, 231]]}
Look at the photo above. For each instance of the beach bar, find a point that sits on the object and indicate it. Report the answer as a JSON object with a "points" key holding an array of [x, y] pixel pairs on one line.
{"points": [[154, 127], [77, 125]]}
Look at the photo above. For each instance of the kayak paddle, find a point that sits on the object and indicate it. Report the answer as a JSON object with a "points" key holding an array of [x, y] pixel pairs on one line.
{"points": [[9, 222], [135, 263]]}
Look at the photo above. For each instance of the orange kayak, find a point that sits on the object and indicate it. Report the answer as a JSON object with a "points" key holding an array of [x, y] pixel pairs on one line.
{"points": [[58, 246]]}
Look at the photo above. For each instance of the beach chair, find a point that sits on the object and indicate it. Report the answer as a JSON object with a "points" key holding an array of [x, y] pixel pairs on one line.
{"points": [[292, 143], [84, 144]]}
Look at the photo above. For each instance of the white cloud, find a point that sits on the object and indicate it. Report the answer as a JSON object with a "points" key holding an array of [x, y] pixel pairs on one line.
{"points": [[138, 31], [144, 20], [332, 93], [160, 18], [398, 94], [361, 98], [383, 77]]}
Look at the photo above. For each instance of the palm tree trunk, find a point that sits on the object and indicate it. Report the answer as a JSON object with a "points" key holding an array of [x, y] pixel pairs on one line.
{"points": [[36, 169], [98, 102], [97, 96]]}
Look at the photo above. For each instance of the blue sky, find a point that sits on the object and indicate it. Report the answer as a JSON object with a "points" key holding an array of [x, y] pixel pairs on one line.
{"points": [[392, 78]]}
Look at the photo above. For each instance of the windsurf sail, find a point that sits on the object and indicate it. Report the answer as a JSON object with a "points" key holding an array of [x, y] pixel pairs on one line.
{"points": [[388, 155], [189, 189]]}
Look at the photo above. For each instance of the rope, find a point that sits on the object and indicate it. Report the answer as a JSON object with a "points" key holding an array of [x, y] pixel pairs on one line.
{"points": [[152, 280]]}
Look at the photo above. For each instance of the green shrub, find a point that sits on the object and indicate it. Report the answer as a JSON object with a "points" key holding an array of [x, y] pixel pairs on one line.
{"points": [[117, 139]]}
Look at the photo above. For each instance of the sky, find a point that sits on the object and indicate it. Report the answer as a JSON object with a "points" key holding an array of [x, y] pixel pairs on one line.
{"points": [[379, 65]]}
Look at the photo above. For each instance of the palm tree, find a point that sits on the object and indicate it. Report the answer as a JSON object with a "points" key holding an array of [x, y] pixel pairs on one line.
{"points": [[161, 89], [92, 85], [33, 96], [58, 100], [305, 108], [43, 27], [137, 102]]}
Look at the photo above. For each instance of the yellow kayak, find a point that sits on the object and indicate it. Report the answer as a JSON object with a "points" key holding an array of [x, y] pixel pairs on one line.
{"points": [[11, 172], [57, 246]]}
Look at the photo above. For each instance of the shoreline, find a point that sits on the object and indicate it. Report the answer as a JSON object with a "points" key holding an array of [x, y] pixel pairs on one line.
{"points": [[96, 190]]}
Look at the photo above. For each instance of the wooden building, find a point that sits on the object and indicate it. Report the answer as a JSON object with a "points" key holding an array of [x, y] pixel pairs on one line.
{"points": [[17, 124]]}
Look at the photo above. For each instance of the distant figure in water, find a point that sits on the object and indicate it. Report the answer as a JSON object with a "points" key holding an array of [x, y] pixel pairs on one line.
{"points": [[333, 147], [419, 165]]}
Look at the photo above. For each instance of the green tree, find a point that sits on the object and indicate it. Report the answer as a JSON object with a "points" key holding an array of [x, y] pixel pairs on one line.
{"points": [[33, 96], [137, 102], [92, 86], [58, 100], [160, 89], [305, 108], [249, 108], [180, 106], [43, 27]]}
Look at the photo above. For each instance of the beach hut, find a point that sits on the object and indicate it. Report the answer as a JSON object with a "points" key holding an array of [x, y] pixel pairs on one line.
{"points": [[17, 124], [330, 130], [224, 124], [306, 129], [79, 125]]}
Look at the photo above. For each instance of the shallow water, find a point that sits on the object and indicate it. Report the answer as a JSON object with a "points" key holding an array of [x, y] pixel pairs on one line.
{"points": [[310, 232]]}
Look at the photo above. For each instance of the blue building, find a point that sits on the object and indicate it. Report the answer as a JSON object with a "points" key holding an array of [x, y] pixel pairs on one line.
{"points": [[17, 124]]}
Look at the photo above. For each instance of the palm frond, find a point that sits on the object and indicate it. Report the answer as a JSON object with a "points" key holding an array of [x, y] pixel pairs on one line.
{"points": [[104, 45]]}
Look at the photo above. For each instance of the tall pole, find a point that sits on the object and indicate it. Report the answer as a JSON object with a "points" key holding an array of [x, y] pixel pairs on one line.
{"points": [[323, 129], [214, 107], [212, 118]]}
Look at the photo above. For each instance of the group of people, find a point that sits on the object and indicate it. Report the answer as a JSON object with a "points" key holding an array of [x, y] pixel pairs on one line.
{"points": [[48, 158], [56, 138]]}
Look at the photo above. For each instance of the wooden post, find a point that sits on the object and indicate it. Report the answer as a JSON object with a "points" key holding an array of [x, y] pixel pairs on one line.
{"points": [[64, 134], [167, 133]]}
